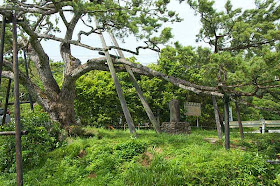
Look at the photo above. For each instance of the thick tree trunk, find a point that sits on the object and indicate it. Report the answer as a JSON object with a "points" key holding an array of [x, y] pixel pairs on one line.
{"points": [[62, 109], [63, 112]]}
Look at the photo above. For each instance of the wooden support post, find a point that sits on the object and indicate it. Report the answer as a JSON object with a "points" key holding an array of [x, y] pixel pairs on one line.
{"points": [[6, 101], [10, 133], [140, 94], [226, 105], [239, 120], [2, 46], [217, 117], [17, 106], [22, 102], [27, 74], [117, 84]]}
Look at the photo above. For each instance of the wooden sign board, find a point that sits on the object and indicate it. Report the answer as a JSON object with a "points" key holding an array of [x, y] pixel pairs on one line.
{"points": [[192, 109]]}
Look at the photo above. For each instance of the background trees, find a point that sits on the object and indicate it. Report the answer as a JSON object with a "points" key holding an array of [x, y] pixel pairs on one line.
{"points": [[43, 19], [243, 62]]}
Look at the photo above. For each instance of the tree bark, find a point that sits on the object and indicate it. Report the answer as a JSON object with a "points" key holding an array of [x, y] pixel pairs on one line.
{"points": [[217, 117], [239, 121], [62, 109]]}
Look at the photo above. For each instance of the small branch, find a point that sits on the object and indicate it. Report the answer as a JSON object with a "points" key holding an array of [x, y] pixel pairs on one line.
{"points": [[251, 45], [77, 43]]}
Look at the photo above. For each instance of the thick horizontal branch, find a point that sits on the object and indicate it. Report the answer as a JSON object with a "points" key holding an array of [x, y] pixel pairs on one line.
{"points": [[100, 64], [166, 77]]}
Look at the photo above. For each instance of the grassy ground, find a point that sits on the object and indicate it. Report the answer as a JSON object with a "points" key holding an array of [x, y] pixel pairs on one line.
{"points": [[114, 158]]}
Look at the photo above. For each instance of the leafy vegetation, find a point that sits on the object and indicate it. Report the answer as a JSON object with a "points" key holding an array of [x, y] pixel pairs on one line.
{"points": [[113, 158], [244, 64], [43, 136]]}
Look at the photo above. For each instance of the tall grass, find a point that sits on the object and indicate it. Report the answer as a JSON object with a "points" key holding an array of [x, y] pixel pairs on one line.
{"points": [[114, 158]]}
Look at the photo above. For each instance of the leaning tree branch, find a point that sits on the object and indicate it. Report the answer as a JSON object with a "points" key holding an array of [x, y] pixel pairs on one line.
{"points": [[41, 60], [77, 43], [41, 97], [166, 77], [99, 64]]}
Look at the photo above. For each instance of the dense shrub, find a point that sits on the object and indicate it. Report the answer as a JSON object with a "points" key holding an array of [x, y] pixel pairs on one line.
{"points": [[42, 137], [130, 149]]}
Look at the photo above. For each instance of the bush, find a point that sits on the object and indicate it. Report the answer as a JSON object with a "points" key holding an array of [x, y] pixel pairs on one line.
{"points": [[42, 137], [130, 149]]}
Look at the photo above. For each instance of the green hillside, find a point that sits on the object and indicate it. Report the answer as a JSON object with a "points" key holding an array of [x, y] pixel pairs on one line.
{"points": [[103, 157]]}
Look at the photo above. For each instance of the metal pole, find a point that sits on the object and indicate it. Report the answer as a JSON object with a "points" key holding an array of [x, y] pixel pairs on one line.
{"points": [[226, 105], [7, 101], [138, 89], [117, 84], [27, 74], [17, 106], [2, 46]]}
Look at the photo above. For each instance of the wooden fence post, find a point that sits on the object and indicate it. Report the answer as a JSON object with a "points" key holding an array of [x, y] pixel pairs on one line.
{"points": [[227, 132], [17, 105], [2, 46], [6, 101]]}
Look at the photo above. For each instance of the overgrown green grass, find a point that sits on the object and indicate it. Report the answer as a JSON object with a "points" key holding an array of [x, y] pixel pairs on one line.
{"points": [[114, 158]]}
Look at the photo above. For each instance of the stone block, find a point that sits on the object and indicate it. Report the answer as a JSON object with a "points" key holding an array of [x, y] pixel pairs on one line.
{"points": [[176, 127]]}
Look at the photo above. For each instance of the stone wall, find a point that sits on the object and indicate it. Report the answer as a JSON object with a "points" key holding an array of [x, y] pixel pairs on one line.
{"points": [[176, 127]]}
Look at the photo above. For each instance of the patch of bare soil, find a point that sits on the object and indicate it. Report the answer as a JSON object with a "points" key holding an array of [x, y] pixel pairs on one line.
{"points": [[212, 140], [158, 150], [147, 158], [92, 175], [82, 154], [233, 146]]}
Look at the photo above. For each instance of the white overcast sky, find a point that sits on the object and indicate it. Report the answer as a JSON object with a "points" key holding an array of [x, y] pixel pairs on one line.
{"points": [[184, 32]]}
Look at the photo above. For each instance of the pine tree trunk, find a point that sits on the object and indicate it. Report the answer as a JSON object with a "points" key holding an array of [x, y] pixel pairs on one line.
{"points": [[62, 109]]}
